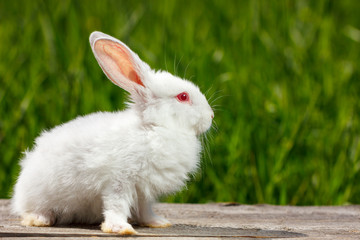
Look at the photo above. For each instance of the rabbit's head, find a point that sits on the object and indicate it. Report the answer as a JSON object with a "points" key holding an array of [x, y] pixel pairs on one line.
{"points": [[160, 98]]}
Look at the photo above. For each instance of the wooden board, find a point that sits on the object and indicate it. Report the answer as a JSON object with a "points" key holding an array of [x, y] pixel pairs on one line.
{"points": [[213, 221]]}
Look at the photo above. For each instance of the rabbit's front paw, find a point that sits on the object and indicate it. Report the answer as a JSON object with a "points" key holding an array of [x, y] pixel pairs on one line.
{"points": [[38, 220], [155, 222], [122, 229]]}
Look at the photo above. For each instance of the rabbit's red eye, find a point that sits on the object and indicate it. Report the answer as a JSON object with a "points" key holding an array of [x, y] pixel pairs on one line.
{"points": [[183, 97]]}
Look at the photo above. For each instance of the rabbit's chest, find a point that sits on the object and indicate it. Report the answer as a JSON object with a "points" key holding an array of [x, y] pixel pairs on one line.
{"points": [[170, 160]]}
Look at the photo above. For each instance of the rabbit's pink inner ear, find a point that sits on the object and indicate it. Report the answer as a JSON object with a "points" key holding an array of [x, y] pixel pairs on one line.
{"points": [[121, 57]]}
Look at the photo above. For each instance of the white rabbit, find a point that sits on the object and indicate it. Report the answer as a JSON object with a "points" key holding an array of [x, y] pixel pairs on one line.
{"points": [[112, 166]]}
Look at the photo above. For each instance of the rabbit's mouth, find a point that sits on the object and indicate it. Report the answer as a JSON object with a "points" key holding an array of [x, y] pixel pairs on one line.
{"points": [[204, 125]]}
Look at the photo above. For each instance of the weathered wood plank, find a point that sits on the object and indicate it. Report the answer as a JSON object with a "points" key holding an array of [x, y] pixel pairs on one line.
{"points": [[214, 221]]}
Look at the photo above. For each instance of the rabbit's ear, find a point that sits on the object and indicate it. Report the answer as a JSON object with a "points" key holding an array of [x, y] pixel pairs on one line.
{"points": [[119, 63]]}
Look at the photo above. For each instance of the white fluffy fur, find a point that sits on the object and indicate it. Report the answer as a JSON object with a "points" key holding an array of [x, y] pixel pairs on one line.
{"points": [[112, 166]]}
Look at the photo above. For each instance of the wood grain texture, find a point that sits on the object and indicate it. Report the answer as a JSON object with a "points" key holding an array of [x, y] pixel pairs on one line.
{"points": [[213, 221]]}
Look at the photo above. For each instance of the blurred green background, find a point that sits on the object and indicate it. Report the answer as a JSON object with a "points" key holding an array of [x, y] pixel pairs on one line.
{"points": [[284, 76]]}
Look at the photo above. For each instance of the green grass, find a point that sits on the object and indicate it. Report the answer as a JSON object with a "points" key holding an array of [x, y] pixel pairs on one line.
{"points": [[286, 74]]}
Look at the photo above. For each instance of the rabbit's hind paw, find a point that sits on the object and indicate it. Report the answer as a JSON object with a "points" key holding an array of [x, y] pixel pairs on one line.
{"points": [[38, 220]]}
